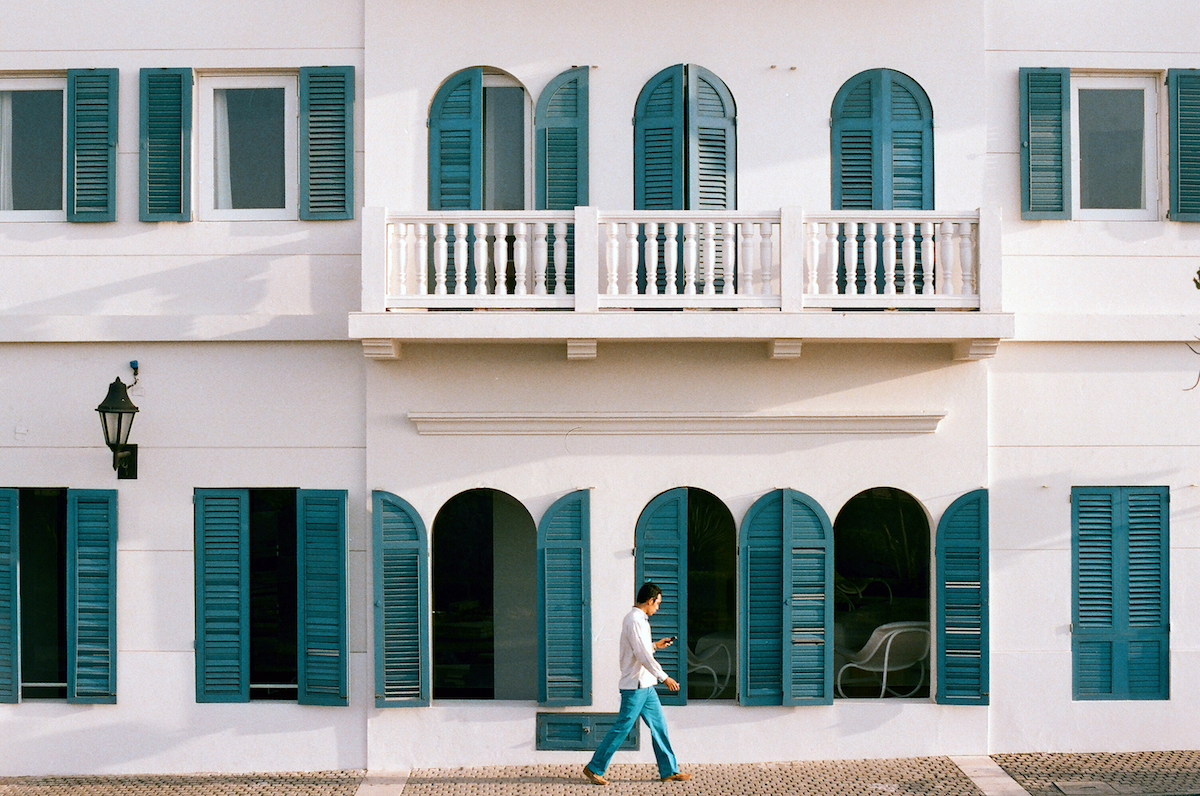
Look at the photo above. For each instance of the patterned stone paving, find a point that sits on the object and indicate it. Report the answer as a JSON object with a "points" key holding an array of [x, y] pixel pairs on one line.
{"points": [[322, 783], [1100, 773]]}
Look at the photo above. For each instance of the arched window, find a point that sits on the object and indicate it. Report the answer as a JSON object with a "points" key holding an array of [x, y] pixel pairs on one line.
{"points": [[685, 142], [882, 143]]}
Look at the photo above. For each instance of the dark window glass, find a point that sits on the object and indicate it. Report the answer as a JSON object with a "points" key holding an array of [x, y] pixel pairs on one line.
{"points": [[463, 598], [504, 148], [43, 593], [37, 151], [1111, 134], [255, 138], [712, 598], [273, 662]]}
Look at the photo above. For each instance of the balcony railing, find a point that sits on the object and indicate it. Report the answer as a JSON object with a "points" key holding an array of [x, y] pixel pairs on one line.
{"points": [[592, 261]]}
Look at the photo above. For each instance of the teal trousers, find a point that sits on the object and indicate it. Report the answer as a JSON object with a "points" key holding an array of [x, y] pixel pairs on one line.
{"points": [[637, 702]]}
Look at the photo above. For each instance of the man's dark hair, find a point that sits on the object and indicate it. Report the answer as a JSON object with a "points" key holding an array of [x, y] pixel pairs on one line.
{"points": [[647, 593]]}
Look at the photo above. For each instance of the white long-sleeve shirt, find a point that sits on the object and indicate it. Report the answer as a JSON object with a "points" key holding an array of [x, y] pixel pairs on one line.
{"points": [[638, 667]]}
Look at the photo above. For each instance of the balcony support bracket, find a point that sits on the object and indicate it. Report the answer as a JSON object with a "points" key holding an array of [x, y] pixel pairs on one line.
{"points": [[381, 348], [784, 348], [974, 350], [581, 349]]}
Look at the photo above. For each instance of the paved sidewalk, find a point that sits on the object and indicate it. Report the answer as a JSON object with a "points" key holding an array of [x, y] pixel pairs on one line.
{"points": [[1098, 774]]}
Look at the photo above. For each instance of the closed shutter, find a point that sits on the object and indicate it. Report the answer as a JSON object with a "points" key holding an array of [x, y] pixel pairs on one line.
{"points": [[326, 143], [909, 123], [456, 143], [321, 586], [561, 142], [962, 601], [564, 596], [91, 144], [222, 595], [853, 139], [10, 603], [1120, 617], [807, 602], [401, 603], [658, 127], [166, 145], [712, 142], [1045, 143], [92, 596], [1183, 87], [661, 543], [760, 632]]}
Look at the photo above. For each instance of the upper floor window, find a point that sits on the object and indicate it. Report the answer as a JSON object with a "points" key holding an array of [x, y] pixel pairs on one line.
{"points": [[882, 143], [1115, 167], [685, 142], [31, 146]]}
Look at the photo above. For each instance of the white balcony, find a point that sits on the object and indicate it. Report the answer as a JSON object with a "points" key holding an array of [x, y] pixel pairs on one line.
{"points": [[775, 276]]}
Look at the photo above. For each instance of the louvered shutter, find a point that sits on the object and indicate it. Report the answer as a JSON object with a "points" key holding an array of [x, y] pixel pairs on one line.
{"points": [[401, 604], [564, 589], [456, 143], [661, 543], [164, 191], [712, 142], [91, 144], [10, 602], [807, 602], [326, 143], [1045, 143], [962, 601], [1183, 88], [658, 128], [857, 182], [92, 596], [561, 142], [321, 585], [760, 636], [1120, 617], [222, 595], [908, 144]]}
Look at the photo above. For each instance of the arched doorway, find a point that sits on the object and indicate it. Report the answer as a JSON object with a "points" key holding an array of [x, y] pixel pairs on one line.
{"points": [[881, 578], [484, 598]]}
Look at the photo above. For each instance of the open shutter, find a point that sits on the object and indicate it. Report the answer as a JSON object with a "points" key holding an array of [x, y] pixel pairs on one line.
{"points": [[1183, 89], [658, 125], [92, 596], [165, 145], [712, 142], [326, 142], [561, 142], [807, 602], [564, 591], [91, 144], [1045, 143], [962, 601], [456, 143], [661, 543], [760, 636], [222, 595], [10, 602], [321, 604], [401, 555]]}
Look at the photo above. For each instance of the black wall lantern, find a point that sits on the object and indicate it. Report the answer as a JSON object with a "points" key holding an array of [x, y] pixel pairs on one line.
{"points": [[116, 418]]}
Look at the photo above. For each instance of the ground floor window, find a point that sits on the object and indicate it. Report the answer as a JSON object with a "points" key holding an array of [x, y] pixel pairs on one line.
{"points": [[274, 673], [43, 529]]}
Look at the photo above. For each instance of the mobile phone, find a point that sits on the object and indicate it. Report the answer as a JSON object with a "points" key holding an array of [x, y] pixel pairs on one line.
{"points": [[671, 639]]}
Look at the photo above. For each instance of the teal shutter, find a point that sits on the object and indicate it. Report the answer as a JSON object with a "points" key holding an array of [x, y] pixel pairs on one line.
{"points": [[91, 144], [401, 555], [1120, 617], [658, 127], [1045, 143], [326, 143], [580, 732], [222, 595], [881, 143], [10, 596], [456, 143], [807, 602], [712, 142], [560, 129], [760, 636], [564, 596], [92, 596], [321, 605], [962, 601], [1183, 90], [165, 148], [660, 540]]}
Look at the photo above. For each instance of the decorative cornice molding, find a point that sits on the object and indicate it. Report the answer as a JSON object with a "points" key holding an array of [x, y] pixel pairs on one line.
{"points": [[684, 423]]}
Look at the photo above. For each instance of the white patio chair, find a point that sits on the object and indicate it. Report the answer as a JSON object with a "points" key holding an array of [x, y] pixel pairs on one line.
{"points": [[892, 647]]}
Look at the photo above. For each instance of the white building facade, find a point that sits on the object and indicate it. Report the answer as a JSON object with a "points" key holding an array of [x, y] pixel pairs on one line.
{"points": [[453, 324]]}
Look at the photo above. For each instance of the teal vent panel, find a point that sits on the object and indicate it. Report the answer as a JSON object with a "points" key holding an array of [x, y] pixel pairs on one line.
{"points": [[580, 732]]}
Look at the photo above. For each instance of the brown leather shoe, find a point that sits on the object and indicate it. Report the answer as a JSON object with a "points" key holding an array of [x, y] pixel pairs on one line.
{"points": [[678, 777], [593, 777]]}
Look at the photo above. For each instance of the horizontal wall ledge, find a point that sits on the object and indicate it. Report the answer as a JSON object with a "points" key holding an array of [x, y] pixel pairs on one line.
{"points": [[640, 423], [1063, 328], [171, 328]]}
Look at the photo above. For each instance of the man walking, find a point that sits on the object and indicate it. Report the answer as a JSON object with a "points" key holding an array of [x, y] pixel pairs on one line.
{"points": [[639, 674]]}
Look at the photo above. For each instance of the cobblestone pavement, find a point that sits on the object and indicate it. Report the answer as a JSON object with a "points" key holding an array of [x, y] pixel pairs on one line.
{"points": [[321, 783], [1088, 774]]}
